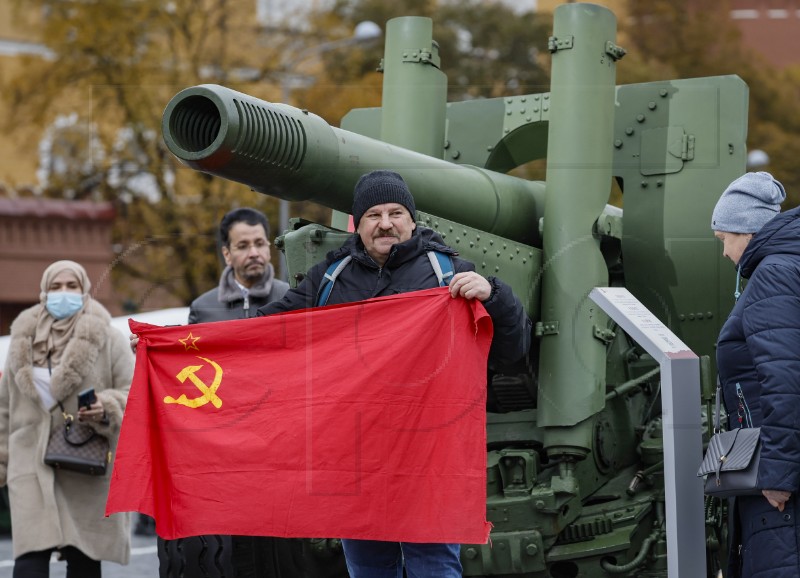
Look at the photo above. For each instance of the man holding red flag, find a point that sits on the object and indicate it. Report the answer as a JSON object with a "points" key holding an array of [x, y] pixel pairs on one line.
{"points": [[390, 254]]}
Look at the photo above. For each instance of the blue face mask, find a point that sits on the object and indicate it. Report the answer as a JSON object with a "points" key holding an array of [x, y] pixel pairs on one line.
{"points": [[63, 304]]}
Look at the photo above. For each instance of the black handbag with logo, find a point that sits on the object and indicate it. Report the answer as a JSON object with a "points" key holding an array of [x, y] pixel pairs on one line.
{"points": [[77, 447], [731, 460]]}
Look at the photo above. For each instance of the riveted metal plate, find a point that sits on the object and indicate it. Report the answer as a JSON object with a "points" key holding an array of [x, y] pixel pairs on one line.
{"points": [[554, 44], [525, 109], [517, 264]]}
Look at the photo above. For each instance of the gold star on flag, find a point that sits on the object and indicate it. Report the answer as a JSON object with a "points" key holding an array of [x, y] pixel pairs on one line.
{"points": [[186, 342]]}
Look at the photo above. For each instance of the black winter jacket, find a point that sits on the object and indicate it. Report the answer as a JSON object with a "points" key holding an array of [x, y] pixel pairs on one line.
{"points": [[408, 269], [759, 348]]}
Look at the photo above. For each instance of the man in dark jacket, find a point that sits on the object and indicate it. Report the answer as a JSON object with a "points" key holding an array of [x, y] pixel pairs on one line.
{"points": [[248, 281], [389, 255]]}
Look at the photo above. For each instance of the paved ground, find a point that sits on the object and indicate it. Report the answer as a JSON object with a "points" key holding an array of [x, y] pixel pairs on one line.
{"points": [[144, 561]]}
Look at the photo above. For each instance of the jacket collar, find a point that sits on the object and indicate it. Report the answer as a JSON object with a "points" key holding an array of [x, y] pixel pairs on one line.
{"points": [[80, 354], [779, 235], [422, 239], [228, 290]]}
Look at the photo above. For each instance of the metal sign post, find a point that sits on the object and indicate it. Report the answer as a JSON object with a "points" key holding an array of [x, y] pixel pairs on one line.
{"points": [[683, 442]]}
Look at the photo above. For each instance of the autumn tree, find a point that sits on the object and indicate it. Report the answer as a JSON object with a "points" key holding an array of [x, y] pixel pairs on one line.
{"points": [[487, 48], [99, 102], [116, 64], [677, 39]]}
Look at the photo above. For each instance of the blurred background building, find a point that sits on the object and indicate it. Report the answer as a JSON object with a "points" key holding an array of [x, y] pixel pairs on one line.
{"points": [[36, 232], [768, 27]]}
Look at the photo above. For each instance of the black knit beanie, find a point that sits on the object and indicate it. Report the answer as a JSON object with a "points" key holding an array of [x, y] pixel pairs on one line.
{"points": [[377, 188]]}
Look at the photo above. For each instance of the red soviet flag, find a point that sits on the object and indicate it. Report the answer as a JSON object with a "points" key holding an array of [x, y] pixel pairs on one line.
{"points": [[363, 420]]}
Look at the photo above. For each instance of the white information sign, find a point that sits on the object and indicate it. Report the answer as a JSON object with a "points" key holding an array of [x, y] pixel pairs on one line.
{"points": [[651, 327], [680, 413]]}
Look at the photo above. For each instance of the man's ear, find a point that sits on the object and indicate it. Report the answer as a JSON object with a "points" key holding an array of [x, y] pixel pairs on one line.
{"points": [[226, 254]]}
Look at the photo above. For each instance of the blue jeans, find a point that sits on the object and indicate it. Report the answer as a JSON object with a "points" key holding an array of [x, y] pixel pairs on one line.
{"points": [[373, 559]]}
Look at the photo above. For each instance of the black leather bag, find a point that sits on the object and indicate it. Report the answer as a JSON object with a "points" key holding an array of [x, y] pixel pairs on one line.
{"points": [[78, 448], [731, 460]]}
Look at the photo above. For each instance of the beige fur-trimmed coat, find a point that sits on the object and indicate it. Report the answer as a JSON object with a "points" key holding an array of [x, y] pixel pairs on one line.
{"points": [[52, 508]]}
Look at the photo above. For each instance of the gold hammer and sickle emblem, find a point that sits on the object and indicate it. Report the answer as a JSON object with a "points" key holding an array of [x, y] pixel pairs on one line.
{"points": [[209, 393]]}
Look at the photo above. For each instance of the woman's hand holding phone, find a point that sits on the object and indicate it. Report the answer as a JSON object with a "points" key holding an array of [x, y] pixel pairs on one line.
{"points": [[89, 407]]}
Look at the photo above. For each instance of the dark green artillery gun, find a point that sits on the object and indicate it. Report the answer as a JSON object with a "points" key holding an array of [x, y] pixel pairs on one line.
{"points": [[575, 459]]}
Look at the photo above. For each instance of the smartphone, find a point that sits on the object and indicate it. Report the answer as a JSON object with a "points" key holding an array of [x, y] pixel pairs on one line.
{"points": [[86, 398]]}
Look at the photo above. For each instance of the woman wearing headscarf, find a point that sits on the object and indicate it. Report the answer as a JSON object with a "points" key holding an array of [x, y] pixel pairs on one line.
{"points": [[59, 347], [758, 359]]}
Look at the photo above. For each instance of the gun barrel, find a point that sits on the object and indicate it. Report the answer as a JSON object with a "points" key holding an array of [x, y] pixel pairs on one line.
{"points": [[291, 154]]}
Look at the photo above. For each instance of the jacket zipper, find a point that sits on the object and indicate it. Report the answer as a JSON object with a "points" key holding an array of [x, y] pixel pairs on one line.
{"points": [[743, 412]]}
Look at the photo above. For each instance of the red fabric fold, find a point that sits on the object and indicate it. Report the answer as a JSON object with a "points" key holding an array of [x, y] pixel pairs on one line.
{"points": [[364, 420]]}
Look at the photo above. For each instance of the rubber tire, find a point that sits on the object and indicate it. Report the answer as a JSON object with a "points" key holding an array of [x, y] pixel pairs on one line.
{"points": [[244, 557], [195, 557]]}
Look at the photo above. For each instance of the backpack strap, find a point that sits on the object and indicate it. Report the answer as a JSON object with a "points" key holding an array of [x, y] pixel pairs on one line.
{"points": [[331, 273], [443, 267]]}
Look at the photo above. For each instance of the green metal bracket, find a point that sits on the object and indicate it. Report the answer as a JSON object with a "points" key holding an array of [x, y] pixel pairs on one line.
{"points": [[665, 149], [507, 553], [546, 328], [687, 147], [421, 55], [554, 44], [524, 110], [614, 51], [518, 471], [304, 245], [604, 334]]}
